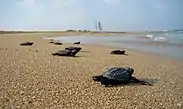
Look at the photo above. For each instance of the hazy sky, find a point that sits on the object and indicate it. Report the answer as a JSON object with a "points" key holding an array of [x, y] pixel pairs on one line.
{"points": [[119, 15]]}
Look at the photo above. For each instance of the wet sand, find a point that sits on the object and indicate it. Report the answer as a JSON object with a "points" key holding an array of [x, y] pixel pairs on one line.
{"points": [[32, 78]]}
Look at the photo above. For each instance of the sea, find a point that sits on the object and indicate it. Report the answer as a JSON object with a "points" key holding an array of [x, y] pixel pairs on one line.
{"points": [[168, 43]]}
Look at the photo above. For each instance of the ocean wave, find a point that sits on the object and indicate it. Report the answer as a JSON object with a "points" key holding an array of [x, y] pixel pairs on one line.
{"points": [[159, 38], [151, 36], [166, 34], [156, 38]]}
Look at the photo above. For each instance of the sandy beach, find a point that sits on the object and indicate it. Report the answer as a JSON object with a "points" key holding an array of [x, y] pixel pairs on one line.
{"points": [[31, 78]]}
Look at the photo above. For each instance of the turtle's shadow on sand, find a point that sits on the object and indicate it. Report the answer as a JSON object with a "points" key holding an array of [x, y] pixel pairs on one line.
{"points": [[85, 51], [125, 54], [151, 81], [120, 54], [77, 56], [68, 56]]}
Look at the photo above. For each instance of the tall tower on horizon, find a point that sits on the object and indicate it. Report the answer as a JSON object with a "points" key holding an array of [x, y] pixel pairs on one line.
{"points": [[98, 26]]}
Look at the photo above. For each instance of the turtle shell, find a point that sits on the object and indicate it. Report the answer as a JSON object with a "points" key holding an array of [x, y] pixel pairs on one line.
{"points": [[73, 48], [61, 53], [120, 74], [27, 44], [67, 52]]}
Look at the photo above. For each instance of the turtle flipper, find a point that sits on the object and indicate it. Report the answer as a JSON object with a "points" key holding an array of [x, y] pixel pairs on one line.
{"points": [[135, 80], [106, 82]]}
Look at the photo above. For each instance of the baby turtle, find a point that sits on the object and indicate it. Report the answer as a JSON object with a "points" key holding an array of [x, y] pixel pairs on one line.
{"points": [[57, 43], [118, 52], [27, 44], [73, 48], [67, 52], [63, 53], [76, 42], [51, 42], [117, 76]]}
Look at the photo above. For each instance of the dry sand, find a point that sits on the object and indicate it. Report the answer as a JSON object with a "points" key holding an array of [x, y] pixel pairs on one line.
{"points": [[37, 80]]}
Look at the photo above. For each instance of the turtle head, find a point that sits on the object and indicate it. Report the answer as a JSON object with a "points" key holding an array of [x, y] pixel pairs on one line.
{"points": [[130, 70], [97, 78]]}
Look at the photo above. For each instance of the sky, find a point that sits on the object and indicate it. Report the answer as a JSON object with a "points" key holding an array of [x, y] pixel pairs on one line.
{"points": [[114, 15]]}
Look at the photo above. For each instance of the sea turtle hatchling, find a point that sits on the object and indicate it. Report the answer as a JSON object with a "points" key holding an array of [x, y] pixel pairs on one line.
{"points": [[117, 76], [67, 52], [27, 44]]}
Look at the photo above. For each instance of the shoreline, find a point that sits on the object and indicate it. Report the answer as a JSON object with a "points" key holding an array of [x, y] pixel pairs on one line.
{"points": [[165, 57], [131, 42], [31, 79]]}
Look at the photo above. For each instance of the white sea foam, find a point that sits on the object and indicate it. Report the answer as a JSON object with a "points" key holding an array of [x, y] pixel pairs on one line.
{"points": [[159, 38], [166, 34], [150, 36]]}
